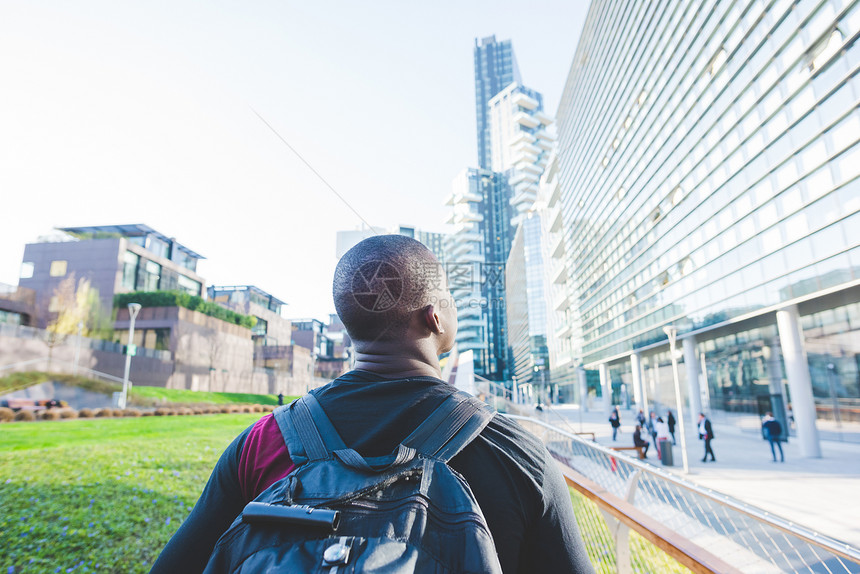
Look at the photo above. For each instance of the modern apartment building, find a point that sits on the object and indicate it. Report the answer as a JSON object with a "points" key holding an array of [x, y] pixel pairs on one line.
{"points": [[520, 143], [435, 242], [708, 180], [477, 252], [115, 258], [272, 327], [495, 68]]}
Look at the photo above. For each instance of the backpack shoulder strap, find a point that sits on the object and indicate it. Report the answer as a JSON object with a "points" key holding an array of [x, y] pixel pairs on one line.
{"points": [[302, 434], [309, 433], [453, 425]]}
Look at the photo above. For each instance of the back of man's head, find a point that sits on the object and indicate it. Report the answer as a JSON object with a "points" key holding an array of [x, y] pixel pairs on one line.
{"points": [[380, 283]]}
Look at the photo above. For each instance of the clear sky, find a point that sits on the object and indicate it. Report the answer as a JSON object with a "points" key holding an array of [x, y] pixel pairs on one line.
{"points": [[143, 112]]}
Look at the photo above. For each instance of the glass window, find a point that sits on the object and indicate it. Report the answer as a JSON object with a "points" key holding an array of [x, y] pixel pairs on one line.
{"points": [[58, 268], [27, 268], [151, 275], [129, 270], [189, 285]]}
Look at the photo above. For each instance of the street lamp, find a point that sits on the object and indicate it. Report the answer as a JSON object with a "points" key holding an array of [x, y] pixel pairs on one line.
{"points": [[131, 349], [672, 332], [78, 347]]}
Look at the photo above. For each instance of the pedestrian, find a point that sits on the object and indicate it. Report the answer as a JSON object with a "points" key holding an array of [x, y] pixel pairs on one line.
{"points": [[280, 399], [706, 433], [640, 418], [773, 433], [652, 429], [662, 435], [615, 422], [670, 420], [639, 441], [399, 323]]}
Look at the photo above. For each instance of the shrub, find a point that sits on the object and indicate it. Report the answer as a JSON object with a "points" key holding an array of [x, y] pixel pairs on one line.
{"points": [[104, 413], [25, 416], [48, 415], [225, 409], [147, 413], [246, 409], [163, 412], [131, 413], [192, 302], [68, 414], [268, 408], [85, 413], [6, 415], [118, 413], [257, 408]]}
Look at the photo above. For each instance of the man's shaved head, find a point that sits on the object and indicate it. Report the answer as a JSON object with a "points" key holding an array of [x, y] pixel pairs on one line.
{"points": [[381, 282]]}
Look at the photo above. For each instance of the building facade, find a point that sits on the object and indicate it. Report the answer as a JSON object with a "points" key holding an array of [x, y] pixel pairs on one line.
{"points": [[520, 143], [495, 68], [272, 327], [477, 251], [526, 304], [708, 167], [114, 258]]}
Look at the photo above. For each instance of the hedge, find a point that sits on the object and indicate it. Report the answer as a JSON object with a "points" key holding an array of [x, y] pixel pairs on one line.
{"points": [[177, 299]]}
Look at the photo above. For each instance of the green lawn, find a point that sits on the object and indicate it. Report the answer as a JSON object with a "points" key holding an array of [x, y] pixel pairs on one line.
{"points": [[105, 495], [102, 495], [140, 395]]}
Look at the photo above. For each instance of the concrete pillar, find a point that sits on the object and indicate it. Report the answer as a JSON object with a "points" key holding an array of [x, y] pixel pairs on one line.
{"points": [[799, 381], [605, 388], [691, 365], [583, 389], [636, 369]]}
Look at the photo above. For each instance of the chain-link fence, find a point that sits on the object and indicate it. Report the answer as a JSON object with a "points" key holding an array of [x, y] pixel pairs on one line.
{"points": [[744, 536]]}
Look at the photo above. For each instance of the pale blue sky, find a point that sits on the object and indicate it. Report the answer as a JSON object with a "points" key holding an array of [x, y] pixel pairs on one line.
{"points": [[120, 112]]}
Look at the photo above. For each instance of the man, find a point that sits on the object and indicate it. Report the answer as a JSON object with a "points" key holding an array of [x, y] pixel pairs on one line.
{"points": [[706, 433], [393, 299], [652, 426], [670, 420], [639, 441], [773, 433], [615, 422]]}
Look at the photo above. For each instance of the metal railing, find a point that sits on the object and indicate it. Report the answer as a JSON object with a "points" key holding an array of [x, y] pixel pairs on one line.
{"points": [[745, 537]]}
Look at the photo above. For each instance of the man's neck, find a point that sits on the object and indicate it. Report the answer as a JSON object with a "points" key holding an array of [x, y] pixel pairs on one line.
{"points": [[394, 361]]}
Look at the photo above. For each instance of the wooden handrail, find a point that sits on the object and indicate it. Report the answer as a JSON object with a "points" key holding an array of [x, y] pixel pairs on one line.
{"points": [[694, 557]]}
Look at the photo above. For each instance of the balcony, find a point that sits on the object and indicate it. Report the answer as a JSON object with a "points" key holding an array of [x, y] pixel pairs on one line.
{"points": [[543, 118], [559, 274], [554, 193], [531, 168], [557, 248], [564, 301], [526, 120], [524, 101], [556, 221]]}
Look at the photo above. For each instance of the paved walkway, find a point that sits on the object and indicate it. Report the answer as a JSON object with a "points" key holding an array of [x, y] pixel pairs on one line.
{"points": [[821, 494]]}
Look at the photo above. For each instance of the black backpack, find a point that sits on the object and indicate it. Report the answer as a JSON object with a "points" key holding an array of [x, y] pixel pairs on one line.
{"points": [[338, 512]]}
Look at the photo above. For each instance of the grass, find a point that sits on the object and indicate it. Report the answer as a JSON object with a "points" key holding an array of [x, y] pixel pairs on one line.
{"points": [[103, 495], [140, 395], [644, 556]]}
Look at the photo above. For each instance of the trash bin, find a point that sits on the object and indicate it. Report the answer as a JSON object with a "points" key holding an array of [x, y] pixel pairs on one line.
{"points": [[666, 452]]}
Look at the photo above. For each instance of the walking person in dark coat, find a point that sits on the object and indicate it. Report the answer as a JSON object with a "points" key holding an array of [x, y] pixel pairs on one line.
{"points": [[773, 433], [706, 433], [639, 441], [670, 420], [615, 421]]}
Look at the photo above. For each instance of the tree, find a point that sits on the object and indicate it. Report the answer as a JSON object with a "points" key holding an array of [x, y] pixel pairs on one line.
{"points": [[76, 306]]}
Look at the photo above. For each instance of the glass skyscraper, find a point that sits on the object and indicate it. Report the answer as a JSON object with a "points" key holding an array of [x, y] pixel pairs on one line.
{"points": [[495, 68], [708, 180], [477, 251]]}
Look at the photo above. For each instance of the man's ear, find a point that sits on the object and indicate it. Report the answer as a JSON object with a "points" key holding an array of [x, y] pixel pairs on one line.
{"points": [[432, 320]]}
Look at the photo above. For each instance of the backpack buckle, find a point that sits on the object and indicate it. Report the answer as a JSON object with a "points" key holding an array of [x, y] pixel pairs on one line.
{"points": [[338, 553]]}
